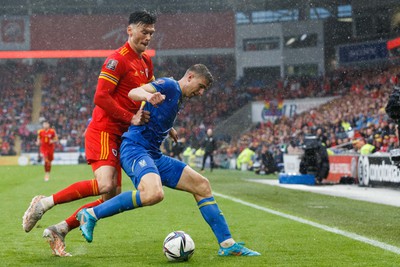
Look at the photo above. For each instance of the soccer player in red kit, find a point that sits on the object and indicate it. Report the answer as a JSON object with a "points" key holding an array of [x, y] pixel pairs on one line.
{"points": [[128, 67], [45, 140]]}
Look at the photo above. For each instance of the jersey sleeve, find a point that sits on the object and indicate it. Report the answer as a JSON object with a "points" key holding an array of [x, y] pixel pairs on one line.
{"points": [[164, 85], [113, 69]]}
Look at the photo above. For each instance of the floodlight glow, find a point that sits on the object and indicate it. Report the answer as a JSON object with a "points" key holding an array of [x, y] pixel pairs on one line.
{"points": [[291, 41], [62, 53]]}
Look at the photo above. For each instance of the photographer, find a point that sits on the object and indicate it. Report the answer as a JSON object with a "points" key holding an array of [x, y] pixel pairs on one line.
{"points": [[315, 159], [178, 148], [265, 161], [393, 111]]}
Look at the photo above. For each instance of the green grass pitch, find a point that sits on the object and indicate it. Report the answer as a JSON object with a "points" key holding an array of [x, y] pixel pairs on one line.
{"points": [[135, 238]]}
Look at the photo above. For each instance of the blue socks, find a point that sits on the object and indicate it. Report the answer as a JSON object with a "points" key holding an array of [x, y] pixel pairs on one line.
{"points": [[214, 217], [124, 201], [131, 200]]}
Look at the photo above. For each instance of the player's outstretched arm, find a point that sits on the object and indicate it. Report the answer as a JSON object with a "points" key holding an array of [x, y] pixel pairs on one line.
{"points": [[146, 93]]}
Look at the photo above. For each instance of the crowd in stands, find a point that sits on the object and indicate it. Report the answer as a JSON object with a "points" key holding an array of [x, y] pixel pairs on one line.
{"points": [[67, 99], [68, 87], [358, 114], [16, 87]]}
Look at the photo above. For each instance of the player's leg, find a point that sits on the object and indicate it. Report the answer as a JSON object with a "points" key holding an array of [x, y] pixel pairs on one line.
{"points": [[193, 182], [125, 201], [55, 234], [146, 178], [40, 204], [211, 161], [204, 161], [50, 158], [47, 164], [97, 143]]}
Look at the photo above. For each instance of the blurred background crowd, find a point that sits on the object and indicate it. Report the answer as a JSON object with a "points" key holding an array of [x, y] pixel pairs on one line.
{"points": [[67, 88]]}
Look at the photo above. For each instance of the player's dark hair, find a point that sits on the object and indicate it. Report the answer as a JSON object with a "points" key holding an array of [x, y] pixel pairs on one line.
{"points": [[144, 17], [202, 70]]}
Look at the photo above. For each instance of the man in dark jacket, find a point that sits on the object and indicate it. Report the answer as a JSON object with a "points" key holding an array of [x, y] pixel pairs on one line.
{"points": [[209, 145]]}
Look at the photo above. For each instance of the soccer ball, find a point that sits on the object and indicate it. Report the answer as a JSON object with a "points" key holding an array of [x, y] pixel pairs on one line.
{"points": [[178, 246]]}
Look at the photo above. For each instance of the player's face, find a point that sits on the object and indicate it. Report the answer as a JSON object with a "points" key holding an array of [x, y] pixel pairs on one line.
{"points": [[46, 125], [196, 86], [140, 36]]}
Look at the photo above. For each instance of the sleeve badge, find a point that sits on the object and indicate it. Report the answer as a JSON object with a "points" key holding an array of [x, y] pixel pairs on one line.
{"points": [[112, 64], [159, 81]]}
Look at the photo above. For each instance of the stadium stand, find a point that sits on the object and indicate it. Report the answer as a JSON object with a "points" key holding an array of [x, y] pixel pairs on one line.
{"points": [[67, 90], [16, 82], [357, 113], [68, 87]]}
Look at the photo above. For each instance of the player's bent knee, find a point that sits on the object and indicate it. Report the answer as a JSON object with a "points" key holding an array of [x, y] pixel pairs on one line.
{"points": [[204, 187], [153, 197], [106, 186]]}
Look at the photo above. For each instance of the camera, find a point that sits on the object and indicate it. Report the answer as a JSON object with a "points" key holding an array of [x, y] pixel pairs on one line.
{"points": [[315, 159], [393, 111], [395, 157]]}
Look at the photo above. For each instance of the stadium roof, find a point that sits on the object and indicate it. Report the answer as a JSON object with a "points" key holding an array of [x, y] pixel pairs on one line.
{"points": [[28, 7]]}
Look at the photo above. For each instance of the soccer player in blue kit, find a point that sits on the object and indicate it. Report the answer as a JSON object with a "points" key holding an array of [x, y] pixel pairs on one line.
{"points": [[150, 170]]}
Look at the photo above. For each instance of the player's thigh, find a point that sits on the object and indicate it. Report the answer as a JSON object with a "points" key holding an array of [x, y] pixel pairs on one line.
{"points": [[102, 148], [47, 155], [150, 183], [170, 170], [193, 182], [137, 163], [50, 155]]}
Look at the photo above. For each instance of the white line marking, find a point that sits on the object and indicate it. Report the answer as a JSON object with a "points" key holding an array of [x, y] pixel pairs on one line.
{"points": [[317, 225]]}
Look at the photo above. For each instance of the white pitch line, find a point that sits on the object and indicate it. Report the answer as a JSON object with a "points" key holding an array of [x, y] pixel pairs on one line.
{"points": [[354, 236]]}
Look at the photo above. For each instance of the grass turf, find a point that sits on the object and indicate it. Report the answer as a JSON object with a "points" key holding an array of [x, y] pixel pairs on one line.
{"points": [[135, 238]]}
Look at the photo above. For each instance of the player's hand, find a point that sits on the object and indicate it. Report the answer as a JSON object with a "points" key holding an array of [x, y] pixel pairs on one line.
{"points": [[156, 98], [173, 134], [141, 117]]}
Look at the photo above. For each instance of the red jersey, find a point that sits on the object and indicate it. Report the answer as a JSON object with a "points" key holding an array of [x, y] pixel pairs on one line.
{"points": [[45, 136], [122, 71]]}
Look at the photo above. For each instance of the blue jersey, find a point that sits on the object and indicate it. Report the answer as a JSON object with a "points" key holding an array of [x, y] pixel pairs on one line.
{"points": [[162, 118]]}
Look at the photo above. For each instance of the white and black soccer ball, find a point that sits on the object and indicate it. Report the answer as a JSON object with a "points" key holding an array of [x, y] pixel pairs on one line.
{"points": [[178, 246]]}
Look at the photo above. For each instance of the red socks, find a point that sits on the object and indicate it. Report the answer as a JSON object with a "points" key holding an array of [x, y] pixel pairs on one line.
{"points": [[77, 190], [47, 166], [73, 222]]}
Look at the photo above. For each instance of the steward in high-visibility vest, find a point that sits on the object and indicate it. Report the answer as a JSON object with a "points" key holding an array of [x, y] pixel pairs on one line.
{"points": [[367, 149], [245, 157]]}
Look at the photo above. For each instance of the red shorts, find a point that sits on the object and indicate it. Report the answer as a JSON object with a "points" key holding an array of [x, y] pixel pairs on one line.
{"points": [[102, 149], [47, 154]]}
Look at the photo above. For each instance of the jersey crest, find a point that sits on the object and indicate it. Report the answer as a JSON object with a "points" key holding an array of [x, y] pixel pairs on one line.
{"points": [[142, 163]]}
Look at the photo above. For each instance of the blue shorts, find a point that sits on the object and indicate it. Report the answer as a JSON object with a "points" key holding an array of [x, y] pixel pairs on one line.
{"points": [[138, 161]]}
